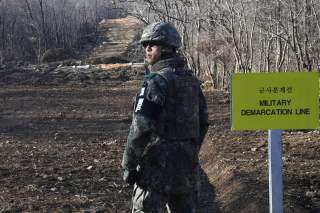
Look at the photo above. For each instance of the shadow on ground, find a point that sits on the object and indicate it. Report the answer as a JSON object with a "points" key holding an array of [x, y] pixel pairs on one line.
{"points": [[207, 201]]}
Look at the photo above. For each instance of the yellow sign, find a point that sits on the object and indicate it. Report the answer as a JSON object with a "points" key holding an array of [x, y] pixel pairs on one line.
{"points": [[279, 101]]}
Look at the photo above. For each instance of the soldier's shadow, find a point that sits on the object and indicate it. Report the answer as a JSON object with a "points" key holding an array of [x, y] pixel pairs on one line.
{"points": [[207, 202]]}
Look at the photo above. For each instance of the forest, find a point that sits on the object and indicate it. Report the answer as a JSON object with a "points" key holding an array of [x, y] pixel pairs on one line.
{"points": [[30, 27], [219, 37]]}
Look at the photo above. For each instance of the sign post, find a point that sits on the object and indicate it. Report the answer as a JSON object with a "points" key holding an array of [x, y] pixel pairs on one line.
{"points": [[275, 171], [275, 102]]}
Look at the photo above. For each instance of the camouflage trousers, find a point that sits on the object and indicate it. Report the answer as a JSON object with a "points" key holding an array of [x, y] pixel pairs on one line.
{"points": [[168, 179], [144, 201]]}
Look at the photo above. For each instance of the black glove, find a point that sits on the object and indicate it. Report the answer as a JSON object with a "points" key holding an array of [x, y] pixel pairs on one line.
{"points": [[130, 177]]}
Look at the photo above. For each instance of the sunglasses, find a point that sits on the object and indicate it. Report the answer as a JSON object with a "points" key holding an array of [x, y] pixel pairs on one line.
{"points": [[150, 44]]}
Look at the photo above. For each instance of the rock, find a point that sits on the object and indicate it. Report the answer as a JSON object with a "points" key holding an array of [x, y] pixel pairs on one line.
{"points": [[254, 149], [311, 194], [87, 66], [53, 189]]}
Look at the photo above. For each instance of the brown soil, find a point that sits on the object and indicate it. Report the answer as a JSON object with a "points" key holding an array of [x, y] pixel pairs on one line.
{"points": [[61, 149], [236, 163], [119, 42]]}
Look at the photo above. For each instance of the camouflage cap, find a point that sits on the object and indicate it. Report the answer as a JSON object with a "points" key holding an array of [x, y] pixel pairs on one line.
{"points": [[163, 33]]}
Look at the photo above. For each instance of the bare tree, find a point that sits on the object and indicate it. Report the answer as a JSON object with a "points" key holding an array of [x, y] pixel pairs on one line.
{"points": [[218, 37], [29, 27]]}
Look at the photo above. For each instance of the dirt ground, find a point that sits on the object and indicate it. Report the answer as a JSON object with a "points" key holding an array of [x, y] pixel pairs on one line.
{"points": [[61, 148], [237, 164]]}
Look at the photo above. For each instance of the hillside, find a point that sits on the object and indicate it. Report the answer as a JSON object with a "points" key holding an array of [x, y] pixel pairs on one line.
{"points": [[118, 37]]}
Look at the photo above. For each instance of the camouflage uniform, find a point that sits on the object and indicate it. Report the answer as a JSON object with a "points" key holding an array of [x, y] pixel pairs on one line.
{"points": [[169, 123]]}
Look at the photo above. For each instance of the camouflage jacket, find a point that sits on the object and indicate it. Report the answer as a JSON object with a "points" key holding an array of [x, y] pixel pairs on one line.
{"points": [[143, 130]]}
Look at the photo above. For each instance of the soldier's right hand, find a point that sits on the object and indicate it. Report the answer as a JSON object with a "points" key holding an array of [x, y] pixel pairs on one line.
{"points": [[130, 177]]}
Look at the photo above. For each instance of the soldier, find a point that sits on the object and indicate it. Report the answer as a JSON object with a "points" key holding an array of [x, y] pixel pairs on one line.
{"points": [[169, 123]]}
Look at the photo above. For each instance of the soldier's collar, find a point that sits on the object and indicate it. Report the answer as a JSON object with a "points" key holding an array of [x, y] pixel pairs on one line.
{"points": [[173, 62]]}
